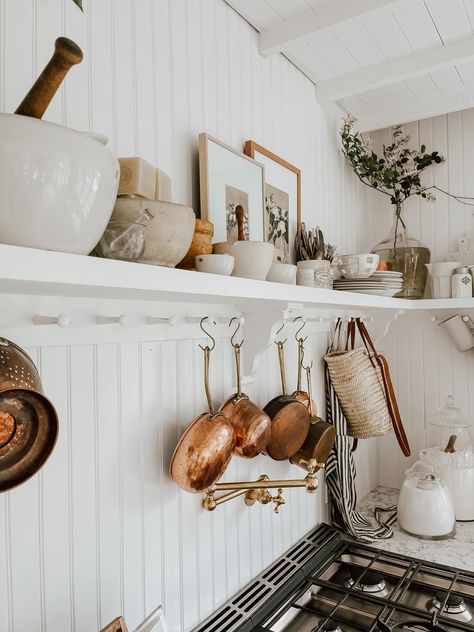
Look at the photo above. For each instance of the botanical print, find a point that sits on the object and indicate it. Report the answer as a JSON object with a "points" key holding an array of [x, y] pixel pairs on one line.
{"points": [[234, 198], [276, 222]]}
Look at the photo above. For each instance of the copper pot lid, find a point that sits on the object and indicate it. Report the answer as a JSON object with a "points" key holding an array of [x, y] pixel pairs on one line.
{"points": [[203, 452], [321, 435], [290, 419], [290, 425], [205, 449], [252, 426], [28, 420]]}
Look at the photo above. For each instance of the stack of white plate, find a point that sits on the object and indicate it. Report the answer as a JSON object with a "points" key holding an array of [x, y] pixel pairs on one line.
{"points": [[381, 283]]}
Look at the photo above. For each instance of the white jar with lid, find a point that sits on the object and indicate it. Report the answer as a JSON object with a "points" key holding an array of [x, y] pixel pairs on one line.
{"points": [[461, 283]]}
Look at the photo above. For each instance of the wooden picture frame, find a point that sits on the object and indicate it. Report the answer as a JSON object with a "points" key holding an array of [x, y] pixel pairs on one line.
{"points": [[281, 179], [228, 178]]}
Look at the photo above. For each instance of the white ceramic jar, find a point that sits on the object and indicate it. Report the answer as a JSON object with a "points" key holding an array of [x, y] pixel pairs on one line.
{"points": [[57, 186], [461, 283], [425, 506]]}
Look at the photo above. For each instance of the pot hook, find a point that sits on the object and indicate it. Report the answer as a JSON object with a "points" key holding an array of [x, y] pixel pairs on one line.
{"points": [[237, 346], [303, 325], [277, 342], [201, 325], [207, 352]]}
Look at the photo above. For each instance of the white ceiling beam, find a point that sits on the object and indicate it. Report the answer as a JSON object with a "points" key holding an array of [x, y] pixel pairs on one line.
{"points": [[328, 14], [386, 73], [414, 112]]}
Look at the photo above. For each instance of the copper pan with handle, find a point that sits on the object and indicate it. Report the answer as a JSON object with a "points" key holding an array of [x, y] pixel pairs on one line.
{"points": [[205, 449], [290, 419], [320, 438], [252, 426]]}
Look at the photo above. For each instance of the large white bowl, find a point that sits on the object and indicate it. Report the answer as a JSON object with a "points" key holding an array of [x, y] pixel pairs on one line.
{"points": [[57, 186], [168, 235]]}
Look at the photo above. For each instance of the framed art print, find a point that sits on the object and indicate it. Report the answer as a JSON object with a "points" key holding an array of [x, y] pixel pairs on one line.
{"points": [[282, 206], [230, 179]]}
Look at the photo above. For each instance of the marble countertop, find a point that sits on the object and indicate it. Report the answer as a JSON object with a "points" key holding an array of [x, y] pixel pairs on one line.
{"points": [[457, 552]]}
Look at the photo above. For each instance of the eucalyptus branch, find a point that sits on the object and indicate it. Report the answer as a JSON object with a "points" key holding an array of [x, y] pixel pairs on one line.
{"points": [[458, 198], [397, 172]]}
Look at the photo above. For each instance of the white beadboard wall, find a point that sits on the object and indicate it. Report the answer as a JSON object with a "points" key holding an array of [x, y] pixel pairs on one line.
{"points": [[426, 366], [102, 530]]}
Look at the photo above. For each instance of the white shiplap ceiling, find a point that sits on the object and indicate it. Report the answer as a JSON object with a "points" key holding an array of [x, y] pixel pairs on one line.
{"points": [[385, 61]]}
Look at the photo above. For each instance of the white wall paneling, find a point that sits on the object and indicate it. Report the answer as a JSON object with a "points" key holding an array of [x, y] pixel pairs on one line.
{"points": [[102, 530]]}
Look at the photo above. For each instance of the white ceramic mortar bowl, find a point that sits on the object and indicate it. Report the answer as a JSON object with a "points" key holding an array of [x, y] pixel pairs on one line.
{"points": [[57, 186]]}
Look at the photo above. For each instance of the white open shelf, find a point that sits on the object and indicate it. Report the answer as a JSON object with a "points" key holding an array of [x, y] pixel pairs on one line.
{"points": [[39, 272]]}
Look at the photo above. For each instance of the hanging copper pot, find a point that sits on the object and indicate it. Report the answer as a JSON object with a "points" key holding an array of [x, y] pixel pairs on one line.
{"points": [[321, 435], [205, 449], [28, 420], [252, 425], [290, 419]]}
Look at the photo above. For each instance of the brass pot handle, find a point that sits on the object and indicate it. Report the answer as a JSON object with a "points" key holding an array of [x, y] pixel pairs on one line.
{"points": [[312, 411], [300, 363], [207, 354], [237, 369], [281, 359]]}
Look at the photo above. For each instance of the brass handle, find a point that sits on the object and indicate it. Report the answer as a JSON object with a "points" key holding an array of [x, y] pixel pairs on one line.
{"points": [[66, 54], [300, 363], [278, 500], [207, 354], [312, 411], [281, 359], [237, 369]]}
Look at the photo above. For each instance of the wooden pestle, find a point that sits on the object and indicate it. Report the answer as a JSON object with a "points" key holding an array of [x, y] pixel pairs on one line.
{"points": [[239, 215], [450, 447], [66, 54]]}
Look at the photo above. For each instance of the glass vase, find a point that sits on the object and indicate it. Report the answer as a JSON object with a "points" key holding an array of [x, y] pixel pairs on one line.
{"points": [[402, 252]]}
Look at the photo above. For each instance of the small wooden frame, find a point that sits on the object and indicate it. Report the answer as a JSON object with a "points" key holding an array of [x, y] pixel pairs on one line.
{"points": [[267, 157], [117, 625]]}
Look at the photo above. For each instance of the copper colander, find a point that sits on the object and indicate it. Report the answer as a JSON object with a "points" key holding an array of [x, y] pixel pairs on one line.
{"points": [[28, 420]]}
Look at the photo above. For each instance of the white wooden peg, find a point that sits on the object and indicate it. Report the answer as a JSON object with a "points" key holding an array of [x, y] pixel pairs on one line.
{"points": [[62, 320], [110, 320]]}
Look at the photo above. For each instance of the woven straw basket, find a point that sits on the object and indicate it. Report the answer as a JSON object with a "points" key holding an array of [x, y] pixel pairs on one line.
{"points": [[360, 390]]}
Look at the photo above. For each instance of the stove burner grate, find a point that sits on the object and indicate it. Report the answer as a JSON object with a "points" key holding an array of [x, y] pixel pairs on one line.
{"points": [[370, 582], [451, 605]]}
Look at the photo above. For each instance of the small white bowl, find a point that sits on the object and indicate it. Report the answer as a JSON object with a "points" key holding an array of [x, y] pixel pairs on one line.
{"points": [[358, 266], [252, 259], [282, 273], [215, 264]]}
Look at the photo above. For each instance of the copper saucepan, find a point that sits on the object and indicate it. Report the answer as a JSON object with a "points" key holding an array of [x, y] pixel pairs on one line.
{"points": [[290, 419], [321, 436], [28, 420], [205, 449], [251, 425]]}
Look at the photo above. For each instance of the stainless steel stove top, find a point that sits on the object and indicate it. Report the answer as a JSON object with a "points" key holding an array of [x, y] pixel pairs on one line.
{"points": [[327, 584]]}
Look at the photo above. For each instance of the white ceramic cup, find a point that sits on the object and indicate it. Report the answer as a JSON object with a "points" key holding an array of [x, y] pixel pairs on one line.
{"points": [[459, 332], [440, 275], [252, 259], [314, 273], [215, 264], [282, 273], [358, 266]]}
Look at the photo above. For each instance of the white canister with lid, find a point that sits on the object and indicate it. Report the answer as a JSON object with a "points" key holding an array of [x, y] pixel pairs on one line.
{"points": [[425, 507], [461, 283], [452, 455]]}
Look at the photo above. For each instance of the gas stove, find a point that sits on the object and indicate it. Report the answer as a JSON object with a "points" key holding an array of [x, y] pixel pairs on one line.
{"points": [[326, 583]]}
